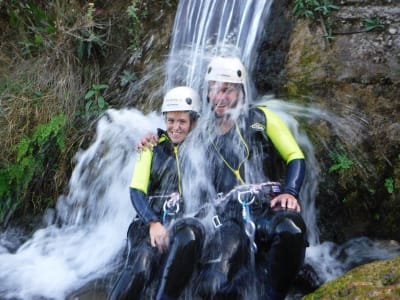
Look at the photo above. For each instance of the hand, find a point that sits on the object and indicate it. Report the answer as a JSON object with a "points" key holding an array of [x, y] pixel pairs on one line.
{"points": [[148, 141], [159, 236], [286, 201]]}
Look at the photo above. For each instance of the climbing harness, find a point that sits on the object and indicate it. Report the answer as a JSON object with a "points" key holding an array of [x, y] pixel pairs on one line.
{"points": [[246, 198], [171, 206]]}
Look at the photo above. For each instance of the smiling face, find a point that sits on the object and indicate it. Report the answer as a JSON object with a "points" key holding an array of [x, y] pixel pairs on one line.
{"points": [[222, 96], [178, 125]]}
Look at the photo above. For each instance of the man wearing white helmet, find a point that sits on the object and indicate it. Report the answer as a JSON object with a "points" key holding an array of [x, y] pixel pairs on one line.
{"points": [[244, 145], [160, 234]]}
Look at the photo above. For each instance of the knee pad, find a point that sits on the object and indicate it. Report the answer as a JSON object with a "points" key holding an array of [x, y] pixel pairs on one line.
{"points": [[283, 222], [189, 232], [183, 255], [286, 251], [228, 250]]}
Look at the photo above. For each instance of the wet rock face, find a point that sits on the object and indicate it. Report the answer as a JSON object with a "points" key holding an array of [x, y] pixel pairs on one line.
{"points": [[355, 75]]}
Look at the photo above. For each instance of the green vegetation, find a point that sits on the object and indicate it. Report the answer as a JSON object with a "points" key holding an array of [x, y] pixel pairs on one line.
{"points": [[34, 154], [32, 24], [371, 24], [340, 162], [389, 184], [95, 102], [316, 10], [376, 280], [137, 12], [60, 58], [127, 77], [89, 40]]}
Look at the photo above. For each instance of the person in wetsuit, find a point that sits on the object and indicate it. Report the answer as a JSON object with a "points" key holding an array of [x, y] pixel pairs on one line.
{"points": [[245, 146], [160, 234]]}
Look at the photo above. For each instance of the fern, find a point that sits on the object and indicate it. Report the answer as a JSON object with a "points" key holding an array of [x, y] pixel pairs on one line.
{"points": [[31, 155]]}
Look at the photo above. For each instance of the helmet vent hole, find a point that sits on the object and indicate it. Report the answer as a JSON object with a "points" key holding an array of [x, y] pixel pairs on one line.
{"points": [[209, 70], [189, 100], [239, 73]]}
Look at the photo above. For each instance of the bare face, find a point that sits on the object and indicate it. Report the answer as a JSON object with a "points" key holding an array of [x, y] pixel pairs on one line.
{"points": [[223, 96], [178, 125]]}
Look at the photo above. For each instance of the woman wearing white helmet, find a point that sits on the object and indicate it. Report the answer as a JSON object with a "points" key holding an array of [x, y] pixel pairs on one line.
{"points": [[160, 234]]}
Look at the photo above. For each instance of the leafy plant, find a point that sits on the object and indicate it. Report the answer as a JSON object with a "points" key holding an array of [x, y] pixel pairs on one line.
{"points": [[32, 154], [341, 162], [127, 77], [313, 8], [32, 23], [316, 10], [95, 101], [88, 39], [136, 15], [389, 184], [371, 24]]}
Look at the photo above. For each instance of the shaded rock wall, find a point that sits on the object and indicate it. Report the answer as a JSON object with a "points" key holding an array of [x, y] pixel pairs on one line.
{"points": [[356, 76]]}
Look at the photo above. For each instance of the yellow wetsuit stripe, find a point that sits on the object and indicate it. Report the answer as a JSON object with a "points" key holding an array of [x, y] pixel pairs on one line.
{"points": [[178, 169], [141, 172], [281, 137]]}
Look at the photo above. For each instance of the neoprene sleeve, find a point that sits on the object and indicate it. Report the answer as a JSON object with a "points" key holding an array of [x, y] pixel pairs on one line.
{"points": [[281, 137], [294, 177], [141, 204]]}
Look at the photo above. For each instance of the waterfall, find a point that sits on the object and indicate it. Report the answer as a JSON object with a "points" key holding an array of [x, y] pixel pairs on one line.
{"points": [[207, 27], [83, 238]]}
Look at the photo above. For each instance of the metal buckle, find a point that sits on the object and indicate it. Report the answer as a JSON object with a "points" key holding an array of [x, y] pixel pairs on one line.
{"points": [[216, 221], [171, 206]]}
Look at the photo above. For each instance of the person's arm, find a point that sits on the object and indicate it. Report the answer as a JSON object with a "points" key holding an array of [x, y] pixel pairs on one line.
{"points": [[287, 147], [294, 177], [159, 236], [141, 204], [148, 141], [139, 186]]}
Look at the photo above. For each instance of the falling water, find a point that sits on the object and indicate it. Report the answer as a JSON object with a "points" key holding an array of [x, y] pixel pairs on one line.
{"points": [[83, 238], [207, 27]]}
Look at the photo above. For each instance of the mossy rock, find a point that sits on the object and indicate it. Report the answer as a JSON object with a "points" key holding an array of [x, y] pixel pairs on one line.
{"points": [[376, 280]]}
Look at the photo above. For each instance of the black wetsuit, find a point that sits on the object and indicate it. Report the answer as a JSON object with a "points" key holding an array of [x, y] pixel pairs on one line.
{"points": [[258, 154], [157, 173]]}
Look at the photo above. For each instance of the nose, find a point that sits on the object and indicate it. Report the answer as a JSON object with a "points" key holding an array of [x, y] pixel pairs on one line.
{"points": [[221, 95], [176, 126]]}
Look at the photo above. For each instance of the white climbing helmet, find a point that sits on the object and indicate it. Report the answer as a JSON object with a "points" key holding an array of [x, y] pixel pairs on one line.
{"points": [[181, 98], [226, 69]]}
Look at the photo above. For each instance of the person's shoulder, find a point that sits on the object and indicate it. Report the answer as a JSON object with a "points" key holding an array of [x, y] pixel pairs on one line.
{"points": [[256, 118], [258, 112]]}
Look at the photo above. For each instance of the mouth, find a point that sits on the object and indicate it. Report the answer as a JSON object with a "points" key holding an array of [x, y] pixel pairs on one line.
{"points": [[175, 136]]}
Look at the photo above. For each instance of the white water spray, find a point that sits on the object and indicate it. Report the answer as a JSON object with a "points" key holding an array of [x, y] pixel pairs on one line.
{"points": [[86, 240]]}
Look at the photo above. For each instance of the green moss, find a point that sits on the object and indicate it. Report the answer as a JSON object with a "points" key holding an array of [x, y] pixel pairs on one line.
{"points": [[377, 280]]}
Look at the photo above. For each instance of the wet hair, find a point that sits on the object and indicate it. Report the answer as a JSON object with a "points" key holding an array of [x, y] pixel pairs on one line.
{"points": [[193, 115]]}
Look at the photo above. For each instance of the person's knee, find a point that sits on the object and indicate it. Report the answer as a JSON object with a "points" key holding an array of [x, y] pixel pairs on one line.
{"points": [[285, 225], [187, 235]]}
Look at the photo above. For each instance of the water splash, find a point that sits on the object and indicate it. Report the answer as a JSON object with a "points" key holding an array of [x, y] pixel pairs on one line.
{"points": [[85, 239]]}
